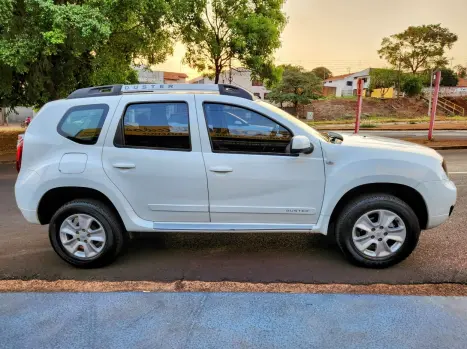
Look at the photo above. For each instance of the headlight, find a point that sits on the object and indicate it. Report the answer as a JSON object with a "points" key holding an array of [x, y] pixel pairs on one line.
{"points": [[445, 167]]}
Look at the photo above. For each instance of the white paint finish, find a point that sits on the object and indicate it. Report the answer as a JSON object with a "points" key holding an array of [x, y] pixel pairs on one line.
{"points": [[161, 178], [157, 190], [264, 209], [178, 208], [261, 180], [73, 163]]}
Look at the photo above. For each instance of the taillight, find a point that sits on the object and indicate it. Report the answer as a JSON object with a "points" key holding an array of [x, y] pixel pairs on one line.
{"points": [[19, 152]]}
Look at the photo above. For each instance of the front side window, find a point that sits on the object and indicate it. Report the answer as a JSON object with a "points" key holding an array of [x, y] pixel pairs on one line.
{"points": [[163, 125], [83, 124], [234, 129]]}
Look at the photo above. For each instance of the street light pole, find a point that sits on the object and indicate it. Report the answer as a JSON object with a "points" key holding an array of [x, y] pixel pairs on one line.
{"points": [[431, 92]]}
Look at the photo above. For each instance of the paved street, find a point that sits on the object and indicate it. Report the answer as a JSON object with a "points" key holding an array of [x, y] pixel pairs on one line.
{"points": [[440, 256], [229, 320]]}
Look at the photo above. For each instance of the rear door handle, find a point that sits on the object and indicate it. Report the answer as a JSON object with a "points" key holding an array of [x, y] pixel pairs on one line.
{"points": [[124, 165], [221, 169]]}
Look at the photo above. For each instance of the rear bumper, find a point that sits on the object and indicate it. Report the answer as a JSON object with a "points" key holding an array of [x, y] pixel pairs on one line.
{"points": [[30, 216], [25, 194], [440, 198]]}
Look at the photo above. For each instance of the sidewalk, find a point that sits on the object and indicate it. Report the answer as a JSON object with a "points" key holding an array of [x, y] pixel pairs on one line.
{"points": [[231, 320]]}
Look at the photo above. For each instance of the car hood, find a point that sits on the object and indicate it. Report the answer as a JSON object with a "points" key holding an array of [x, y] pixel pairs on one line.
{"points": [[388, 144]]}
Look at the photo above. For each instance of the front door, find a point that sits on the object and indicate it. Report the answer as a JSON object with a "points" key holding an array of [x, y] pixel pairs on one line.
{"points": [[153, 155], [251, 176]]}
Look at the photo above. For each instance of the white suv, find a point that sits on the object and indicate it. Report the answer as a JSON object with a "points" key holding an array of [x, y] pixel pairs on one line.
{"points": [[112, 160]]}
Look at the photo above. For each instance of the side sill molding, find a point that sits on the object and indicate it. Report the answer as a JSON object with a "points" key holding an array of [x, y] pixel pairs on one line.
{"points": [[232, 227]]}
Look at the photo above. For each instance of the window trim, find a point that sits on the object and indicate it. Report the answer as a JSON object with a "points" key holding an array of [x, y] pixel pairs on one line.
{"points": [[119, 138], [102, 119], [244, 152]]}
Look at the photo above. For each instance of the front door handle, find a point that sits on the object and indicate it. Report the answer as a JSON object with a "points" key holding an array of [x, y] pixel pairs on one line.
{"points": [[221, 169], [124, 165]]}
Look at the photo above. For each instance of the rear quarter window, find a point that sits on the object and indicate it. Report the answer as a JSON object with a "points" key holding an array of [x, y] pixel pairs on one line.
{"points": [[83, 124]]}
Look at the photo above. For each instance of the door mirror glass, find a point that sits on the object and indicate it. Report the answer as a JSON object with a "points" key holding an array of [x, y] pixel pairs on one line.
{"points": [[301, 144]]}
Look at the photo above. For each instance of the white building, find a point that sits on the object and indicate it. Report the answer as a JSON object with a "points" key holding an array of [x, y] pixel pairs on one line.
{"points": [[345, 85], [148, 76], [241, 77]]}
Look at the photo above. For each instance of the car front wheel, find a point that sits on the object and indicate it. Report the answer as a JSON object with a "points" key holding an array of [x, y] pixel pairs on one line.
{"points": [[377, 230]]}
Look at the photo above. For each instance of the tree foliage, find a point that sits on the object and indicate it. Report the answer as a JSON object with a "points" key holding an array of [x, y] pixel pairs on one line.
{"points": [[412, 85], [218, 31], [448, 77], [383, 79], [461, 71], [322, 72], [297, 86], [50, 48], [416, 48]]}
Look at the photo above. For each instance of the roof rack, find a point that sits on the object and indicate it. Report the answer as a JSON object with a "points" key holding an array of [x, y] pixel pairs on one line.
{"points": [[115, 90]]}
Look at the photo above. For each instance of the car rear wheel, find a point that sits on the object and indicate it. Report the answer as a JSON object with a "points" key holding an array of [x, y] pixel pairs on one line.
{"points": [[86, 234], [377, 231]]}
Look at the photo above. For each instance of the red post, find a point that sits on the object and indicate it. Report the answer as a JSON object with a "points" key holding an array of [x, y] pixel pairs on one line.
{"points": [[434, 104], [359, 104]]}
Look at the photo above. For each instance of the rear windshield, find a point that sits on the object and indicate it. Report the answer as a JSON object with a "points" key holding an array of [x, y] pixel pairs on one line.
{"points": [[83, 124]]}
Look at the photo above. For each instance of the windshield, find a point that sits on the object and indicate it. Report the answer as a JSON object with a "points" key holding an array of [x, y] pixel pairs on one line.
{"points": [[293, 120]]}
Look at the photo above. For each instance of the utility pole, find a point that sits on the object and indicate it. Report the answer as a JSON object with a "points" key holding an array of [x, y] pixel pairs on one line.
{"points": [[359, 104], [399, 77], [431, 92], [230, 71], [435, 103]]}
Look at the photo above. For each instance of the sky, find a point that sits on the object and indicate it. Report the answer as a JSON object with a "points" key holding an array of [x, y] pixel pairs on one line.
{"points": [[344, 35]]}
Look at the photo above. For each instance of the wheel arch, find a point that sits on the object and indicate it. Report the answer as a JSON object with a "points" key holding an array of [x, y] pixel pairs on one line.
{"points": [[55, 198], [406, 193]]}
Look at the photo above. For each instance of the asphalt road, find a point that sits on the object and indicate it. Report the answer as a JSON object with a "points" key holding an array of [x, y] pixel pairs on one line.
{"points": [[440, 134], [25, 251]]}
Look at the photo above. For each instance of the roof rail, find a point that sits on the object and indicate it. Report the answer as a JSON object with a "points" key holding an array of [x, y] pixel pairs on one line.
{"points": [[115, 90]]}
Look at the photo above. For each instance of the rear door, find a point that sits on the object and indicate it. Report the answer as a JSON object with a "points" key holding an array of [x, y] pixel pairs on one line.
{"points": [[152, 153]]}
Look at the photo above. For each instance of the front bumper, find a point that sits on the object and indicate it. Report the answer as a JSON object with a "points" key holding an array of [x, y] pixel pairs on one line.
{"points": [[440, 198]]}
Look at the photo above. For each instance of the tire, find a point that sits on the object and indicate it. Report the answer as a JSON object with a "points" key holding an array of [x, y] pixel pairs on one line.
{"points": [[375, 205], [113, 233]]}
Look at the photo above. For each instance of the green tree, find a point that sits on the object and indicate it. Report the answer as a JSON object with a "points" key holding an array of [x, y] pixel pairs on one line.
{"points": [[322, 72], [215, 32], [297, 86], [50, 48], [412, 85], [383, 79], [448, 77], [461, 71], [140, 33], [417, 48]]}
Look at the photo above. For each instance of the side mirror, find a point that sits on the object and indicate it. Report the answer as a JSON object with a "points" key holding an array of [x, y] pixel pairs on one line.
{"points": [[301, 144]]}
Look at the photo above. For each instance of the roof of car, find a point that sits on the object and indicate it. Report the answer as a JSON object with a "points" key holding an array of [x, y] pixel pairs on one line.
{"points": [[115, 90]]}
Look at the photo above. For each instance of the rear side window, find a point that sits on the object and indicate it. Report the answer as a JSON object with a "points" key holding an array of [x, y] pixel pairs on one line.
{"points": [[83, 124], [161, 125]]}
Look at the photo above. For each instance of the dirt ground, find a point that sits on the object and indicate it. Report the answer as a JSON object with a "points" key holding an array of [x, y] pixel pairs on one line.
{"points": [[462, 125], [229, 286], [439, 143], [331, 109]]}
